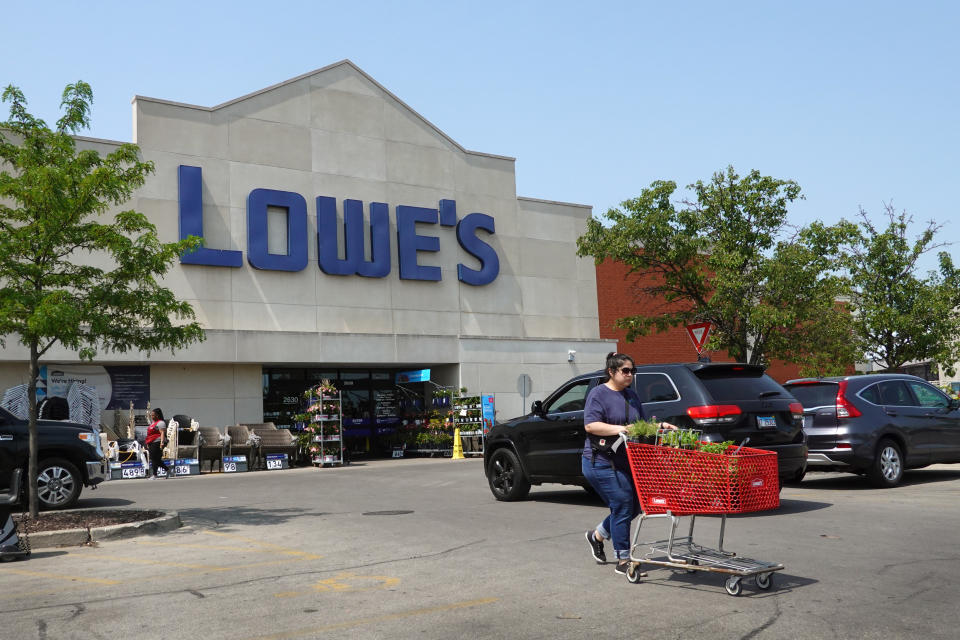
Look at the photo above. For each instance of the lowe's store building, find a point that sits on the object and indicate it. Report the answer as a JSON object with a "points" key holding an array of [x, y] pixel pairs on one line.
{"points": [[345, 237]]}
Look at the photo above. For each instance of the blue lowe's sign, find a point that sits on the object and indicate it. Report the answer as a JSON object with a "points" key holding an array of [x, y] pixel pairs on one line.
{"points": [[379, 264]]}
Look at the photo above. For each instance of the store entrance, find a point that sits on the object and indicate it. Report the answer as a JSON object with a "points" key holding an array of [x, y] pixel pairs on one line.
{"points": [[377, 412]]}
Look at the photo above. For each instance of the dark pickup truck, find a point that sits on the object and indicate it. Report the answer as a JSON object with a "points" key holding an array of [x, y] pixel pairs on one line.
{"points": [[69, 455]]}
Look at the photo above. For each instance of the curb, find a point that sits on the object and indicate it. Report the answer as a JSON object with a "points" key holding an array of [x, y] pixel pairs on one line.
{"points": [[169, 521]]}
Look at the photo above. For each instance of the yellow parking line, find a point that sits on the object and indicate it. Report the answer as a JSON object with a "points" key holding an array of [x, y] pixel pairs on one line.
{"points": [[203, 547], [267, 545], [59, 576], [307, 631], [165, 563], [199, 567]]}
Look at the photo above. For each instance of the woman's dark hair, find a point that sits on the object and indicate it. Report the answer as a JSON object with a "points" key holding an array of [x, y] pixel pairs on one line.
{"points": [[157, 411], [614, 362]]}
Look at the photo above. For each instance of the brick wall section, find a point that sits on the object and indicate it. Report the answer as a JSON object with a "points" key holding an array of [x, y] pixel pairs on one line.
{"points": [[617, 297]]}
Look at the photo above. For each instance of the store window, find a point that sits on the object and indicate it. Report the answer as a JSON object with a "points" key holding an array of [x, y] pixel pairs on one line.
{"points": [[375, 408]]}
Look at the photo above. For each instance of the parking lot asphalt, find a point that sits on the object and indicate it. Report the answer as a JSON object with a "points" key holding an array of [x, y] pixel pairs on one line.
{"points": [[419, 549]]}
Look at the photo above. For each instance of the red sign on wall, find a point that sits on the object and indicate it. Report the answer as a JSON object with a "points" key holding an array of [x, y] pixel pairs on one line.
{"points": [[699, 332]]}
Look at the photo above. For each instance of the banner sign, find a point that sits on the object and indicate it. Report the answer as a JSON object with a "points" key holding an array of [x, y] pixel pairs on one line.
{"points": [[420, 375], [489, 412], [116, 386]]}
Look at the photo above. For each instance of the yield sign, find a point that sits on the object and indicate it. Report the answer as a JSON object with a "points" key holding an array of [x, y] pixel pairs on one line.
{"points": [[699, 332]]}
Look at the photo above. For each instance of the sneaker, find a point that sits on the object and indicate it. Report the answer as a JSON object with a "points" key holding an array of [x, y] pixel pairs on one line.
{"points": [[596, 548], [622, 566]]}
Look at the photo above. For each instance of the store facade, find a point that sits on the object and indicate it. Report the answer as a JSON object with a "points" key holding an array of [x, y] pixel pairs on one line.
{"points": [[347, 237]]}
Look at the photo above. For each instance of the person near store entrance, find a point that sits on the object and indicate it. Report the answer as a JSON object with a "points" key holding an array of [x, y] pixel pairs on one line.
{"points": [[156, 438], [610, 406]]}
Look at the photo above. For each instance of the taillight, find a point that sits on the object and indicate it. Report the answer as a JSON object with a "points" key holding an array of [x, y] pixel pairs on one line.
{"points": [[714, 413], [87, 437], [845, 408], [797, 410]]}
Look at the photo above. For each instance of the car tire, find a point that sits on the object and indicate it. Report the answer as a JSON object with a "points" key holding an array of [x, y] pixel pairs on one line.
{"points": [[505, 476], [796, 478], [887, 468], [58, 484]]}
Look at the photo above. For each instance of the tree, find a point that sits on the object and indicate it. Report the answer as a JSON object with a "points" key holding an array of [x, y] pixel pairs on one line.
{"points": [[729, 257], [69, 273], [900, 317]]}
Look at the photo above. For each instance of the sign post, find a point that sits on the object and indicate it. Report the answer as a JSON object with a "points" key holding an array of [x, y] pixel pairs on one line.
{"points": [[699, 332]]}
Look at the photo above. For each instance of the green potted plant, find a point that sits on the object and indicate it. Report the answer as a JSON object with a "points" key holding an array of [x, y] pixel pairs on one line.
{"points": [[643, 431]]}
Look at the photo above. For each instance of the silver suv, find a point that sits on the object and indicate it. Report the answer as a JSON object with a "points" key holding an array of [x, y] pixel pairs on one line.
{"points": [[877, 425]]}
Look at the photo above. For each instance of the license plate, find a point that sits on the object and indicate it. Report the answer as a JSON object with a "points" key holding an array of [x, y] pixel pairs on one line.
{"points": [[766, 422]]}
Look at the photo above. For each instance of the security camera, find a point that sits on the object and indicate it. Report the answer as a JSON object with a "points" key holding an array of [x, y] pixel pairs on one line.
{"points": [[571, 355]]}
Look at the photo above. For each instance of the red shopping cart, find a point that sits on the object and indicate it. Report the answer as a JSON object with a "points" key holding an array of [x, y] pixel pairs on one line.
{"points": [[673, 482]]}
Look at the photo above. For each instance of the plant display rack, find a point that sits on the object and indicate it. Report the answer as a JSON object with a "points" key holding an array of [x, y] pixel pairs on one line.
{"points": [[330, 436], [322, 435], [468, 417]]}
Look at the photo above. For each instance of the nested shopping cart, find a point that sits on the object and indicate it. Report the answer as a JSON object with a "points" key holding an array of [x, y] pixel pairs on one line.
{"points": [[675, 482]]}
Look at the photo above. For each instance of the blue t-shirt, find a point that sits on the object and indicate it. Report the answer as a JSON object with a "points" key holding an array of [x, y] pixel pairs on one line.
{"points": [[606, 405]]}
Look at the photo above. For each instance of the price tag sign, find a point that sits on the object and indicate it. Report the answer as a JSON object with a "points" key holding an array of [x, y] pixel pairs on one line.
{"points": [[277, 461], [186, 467], [234, 464], [133, 470]]}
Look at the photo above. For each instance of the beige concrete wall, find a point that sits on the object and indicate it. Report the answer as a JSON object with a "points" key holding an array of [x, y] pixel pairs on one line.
{"points": [[338, 133]]}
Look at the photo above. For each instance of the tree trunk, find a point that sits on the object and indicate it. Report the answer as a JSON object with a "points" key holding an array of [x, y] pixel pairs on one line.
{"points": [[34, 501]]}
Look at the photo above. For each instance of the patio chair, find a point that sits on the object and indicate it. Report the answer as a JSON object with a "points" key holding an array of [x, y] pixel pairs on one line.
{"points": [[255, 426], [239, 435], [211, 447], [273, 440]]}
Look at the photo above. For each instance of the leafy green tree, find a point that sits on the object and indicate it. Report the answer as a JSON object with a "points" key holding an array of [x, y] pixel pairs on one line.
{"points": [[898, 315], [71, 272], [728, 256]]}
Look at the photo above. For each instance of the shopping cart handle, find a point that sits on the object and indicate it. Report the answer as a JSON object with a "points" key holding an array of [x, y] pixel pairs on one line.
{"points": [[745, 441]]}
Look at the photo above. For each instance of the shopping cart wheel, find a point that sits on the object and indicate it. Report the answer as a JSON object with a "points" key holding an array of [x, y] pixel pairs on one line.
{"points": [[764, 581], [733, 586], [692, 563], [634, 573]]}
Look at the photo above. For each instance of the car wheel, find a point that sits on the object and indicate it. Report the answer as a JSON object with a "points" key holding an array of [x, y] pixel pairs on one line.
{"points": [[887, 468], [506, 477], [797, 478], [58, 484]]}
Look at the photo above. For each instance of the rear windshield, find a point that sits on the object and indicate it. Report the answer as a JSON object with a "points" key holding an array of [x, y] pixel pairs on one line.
{"points": [[814, 395], [731, 385]]}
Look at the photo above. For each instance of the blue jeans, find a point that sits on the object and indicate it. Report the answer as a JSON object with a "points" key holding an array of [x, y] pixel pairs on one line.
{"points": [[615, 487]]}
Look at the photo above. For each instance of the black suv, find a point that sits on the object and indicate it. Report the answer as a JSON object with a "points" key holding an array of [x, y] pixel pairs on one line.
{"points": [[69, 458], [877, 424], [726, 401]]}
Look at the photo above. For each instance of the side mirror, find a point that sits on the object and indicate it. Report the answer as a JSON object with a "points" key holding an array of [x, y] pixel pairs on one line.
{"points": [[537, 408]]}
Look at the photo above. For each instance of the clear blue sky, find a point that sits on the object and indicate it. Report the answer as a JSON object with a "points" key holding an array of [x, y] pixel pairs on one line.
{"points": [[856, 101]]}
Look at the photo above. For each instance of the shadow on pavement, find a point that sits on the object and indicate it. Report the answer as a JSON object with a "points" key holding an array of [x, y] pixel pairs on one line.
{"points": [[221, 517], [569, 495], [787, 506], [101, 503], [702, 580], [853, 482], [47, 553]]}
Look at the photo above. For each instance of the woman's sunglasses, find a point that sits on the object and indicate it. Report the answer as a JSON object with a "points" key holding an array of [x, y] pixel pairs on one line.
{"points": [[628, 371]]}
